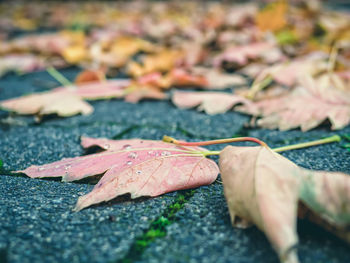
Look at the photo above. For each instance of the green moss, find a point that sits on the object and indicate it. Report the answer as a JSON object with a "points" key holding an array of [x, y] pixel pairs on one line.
{"points": [[3, 171], [122, 133], [346, 145], [285, 37], [157, 228]]}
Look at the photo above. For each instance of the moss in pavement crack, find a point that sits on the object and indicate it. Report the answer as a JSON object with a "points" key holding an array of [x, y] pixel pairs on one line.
{"points": [[346, 138], [125, 131], [157, 228]]}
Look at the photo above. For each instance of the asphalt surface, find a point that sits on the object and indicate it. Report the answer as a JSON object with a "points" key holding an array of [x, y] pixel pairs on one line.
{"points": [[37, 222]]}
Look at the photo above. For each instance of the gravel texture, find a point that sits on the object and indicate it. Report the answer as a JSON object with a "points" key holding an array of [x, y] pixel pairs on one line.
{"points": [[37, 223]]}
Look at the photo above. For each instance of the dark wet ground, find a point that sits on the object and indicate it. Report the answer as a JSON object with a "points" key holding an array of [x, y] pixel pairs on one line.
{"points": [[37, 222]]}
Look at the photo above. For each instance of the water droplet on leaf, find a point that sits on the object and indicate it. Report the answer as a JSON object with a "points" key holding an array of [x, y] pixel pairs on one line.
{"points": [[127, 146], [106, 146], [132, 155]]}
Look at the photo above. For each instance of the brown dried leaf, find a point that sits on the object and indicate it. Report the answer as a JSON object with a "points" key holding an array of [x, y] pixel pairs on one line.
{"points": [[66, 101], [210, 102], [240, 55], [273, 16], [136, 92], [264, 188], [307, 106], [117, 53], [219, 80], [90, 76]]}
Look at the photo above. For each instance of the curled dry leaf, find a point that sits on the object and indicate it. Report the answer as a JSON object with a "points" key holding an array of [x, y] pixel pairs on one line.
{"points": [[21, 62], [66, 101], [241, 55], [311, 103], [162, 61], [218, 80], [117, 53], [210, 102], [273, 16], [264, 188], [75, 53], [287, 73], [138, 167], [136, 92], [63, 103], [51, 43], [90, 76], [181, 77]]}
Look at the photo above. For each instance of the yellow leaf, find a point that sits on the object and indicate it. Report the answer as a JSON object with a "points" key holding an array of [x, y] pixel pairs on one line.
{"points": [[272, 17], [74, 54]]}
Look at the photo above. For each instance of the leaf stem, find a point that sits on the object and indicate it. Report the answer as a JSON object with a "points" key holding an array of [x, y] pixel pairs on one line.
{"points": [[58, 76], [220, 141], [334, 138]]}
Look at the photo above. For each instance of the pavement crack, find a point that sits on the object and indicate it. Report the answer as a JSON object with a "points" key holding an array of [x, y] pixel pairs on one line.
{"points": [[157, 228]]}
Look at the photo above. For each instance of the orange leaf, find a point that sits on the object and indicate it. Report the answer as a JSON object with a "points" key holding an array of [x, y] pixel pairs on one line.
{"points": [[272, 17], [90, 76]]}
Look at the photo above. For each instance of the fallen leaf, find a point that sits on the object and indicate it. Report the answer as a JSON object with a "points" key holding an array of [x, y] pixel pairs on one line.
{"points": [[253, 69], [287, 73], [307, 106], [155, 79], [162, 61], [117, 53], [65, 105], [240, 55], [139, 167], [22, 63], [181, 77], [75, 54], [136, 92], [210, 102], [219, 80], [66, 101], [108, 89], [273, 16], [263, 188], [50, 43], [90, 76]]}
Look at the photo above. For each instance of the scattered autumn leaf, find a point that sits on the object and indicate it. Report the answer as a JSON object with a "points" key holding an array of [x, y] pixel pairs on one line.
{"points": [[21, 63], [273, 16], [181, 77], [287, 73], [138, 167], [210, 102], [240, 55], [90, 76], [307, 106], [117, 53], [162, 61], [219, 80], [66, 101], [136, 92], [263, 188], [75, 54]]}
